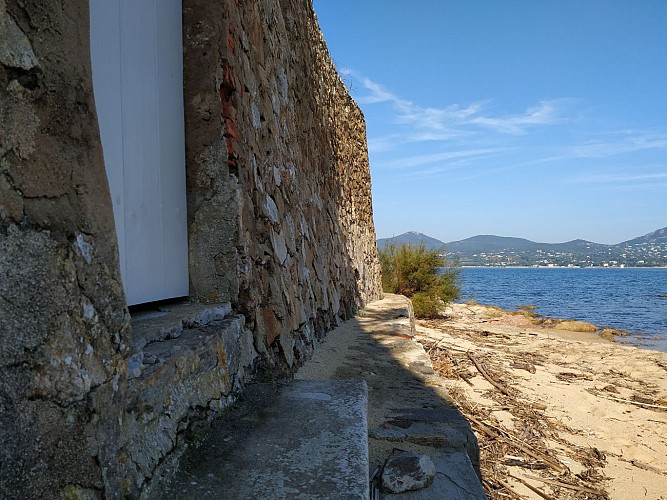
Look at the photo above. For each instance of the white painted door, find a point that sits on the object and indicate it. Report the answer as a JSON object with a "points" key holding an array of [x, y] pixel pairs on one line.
{"points": [[137, 59]]}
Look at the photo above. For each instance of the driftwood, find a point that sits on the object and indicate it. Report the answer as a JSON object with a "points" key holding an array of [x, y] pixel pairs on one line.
{"points": [[482, 426], [502, 449], [486, 375], [520, 462], [426, 342], [465, 376], [567, 376], [630, 401], [569, 486], [532, 488], [507, 437], [536, 406], [650, 468], [520, 365], [492, 485], [486, 333]]}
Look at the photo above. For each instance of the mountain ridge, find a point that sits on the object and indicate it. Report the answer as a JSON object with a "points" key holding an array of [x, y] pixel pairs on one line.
{"points": [[649, 250]]}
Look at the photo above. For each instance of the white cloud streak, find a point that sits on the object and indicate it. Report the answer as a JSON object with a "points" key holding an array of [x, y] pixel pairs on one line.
{"points": [[618, 144], [382, 144], [442, 123], [622, 178], [472, 132], [377, 93], [544, 113], [634, 143], [447, 156]]}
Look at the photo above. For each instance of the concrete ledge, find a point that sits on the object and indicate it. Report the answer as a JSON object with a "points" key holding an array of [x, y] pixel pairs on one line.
{"points": [[189, 362], [170, 321], [305, 439]]}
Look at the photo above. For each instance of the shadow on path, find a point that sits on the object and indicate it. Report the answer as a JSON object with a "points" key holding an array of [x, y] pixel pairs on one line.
{"points": [[408, 409]]}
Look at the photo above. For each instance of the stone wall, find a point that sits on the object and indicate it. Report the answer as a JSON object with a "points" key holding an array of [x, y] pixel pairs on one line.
{"points": [[64, 326], [280, 226], [296, 145]]}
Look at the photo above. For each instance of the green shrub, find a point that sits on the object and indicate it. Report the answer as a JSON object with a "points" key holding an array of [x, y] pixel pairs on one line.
{"points": [[423, 275], [425, 305]]}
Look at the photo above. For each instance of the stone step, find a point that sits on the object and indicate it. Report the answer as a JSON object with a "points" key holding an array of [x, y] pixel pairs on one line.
{"points": [[303, 439], [188, 363]]}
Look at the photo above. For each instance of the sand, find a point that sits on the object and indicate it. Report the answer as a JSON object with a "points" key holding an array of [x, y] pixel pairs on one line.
{"points": [[590, 422]]}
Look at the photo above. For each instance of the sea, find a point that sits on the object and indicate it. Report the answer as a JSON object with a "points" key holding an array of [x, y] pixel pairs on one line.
{"points": [[630, 299]]}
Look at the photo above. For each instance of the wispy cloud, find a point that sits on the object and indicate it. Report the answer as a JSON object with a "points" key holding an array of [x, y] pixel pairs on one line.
{"points": [[648, 144], [474, 139], [455, 120], [631, 142], [436, 136], [377, 92], [446, 156], [544, 113], [622, 178], [392, 141]]}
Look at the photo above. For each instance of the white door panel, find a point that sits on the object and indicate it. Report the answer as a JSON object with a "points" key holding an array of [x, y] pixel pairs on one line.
{"points": [[136, 51]]}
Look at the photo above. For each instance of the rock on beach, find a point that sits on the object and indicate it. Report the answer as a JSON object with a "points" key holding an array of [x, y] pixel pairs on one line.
{"points": [[577, 326]]}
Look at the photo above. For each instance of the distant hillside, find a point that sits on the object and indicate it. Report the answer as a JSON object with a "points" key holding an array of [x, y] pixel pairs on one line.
{"points": [[487, 250], [411, 238], [659, 236], [489, 243]]}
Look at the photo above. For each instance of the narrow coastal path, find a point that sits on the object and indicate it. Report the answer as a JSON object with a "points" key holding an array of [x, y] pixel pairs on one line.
{"points": [[557, 414], [369, 393], [408, 406]]}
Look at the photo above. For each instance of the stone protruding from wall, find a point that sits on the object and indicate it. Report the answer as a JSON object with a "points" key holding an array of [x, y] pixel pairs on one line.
{"points": [[280, 227]]}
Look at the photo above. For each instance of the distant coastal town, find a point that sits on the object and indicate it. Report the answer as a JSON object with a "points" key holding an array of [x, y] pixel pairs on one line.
{"points": [[649, 250], [637, 255]]}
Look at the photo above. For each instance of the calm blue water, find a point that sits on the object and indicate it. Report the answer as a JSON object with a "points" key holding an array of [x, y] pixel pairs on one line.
{"points": [[626, 298]]}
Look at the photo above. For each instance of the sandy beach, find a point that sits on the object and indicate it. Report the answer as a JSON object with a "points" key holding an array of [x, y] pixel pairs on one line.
{"points": [[558, 414]]}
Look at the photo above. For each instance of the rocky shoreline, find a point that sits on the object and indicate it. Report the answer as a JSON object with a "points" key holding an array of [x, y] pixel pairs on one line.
{"points": [[559, 410], [561, 324]]}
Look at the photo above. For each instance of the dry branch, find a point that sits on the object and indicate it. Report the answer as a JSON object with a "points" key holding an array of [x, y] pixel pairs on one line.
{"points": [[483, 427], [526, 446], [642, 465], [486, 375], [520, 365], [532, 488], [520, 462], [621, 400], [569, 486], [508, 438]]}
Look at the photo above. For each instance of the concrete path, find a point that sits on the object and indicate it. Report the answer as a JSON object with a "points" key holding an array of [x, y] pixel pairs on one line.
{"points": [[305, 439], [369, 389], [408, 407]]}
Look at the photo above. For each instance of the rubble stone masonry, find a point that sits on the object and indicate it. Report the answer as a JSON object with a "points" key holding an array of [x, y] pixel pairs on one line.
{"points": [[280, 227]]}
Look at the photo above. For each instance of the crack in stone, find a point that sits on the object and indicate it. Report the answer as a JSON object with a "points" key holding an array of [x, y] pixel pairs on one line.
{"points": [[462, 486]]}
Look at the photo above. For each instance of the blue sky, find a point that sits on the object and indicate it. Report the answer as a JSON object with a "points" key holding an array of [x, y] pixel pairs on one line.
{"points": [[539, 119]]}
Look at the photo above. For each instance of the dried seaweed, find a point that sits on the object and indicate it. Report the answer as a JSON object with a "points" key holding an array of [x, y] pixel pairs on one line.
{"points": [[526, 446]]}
